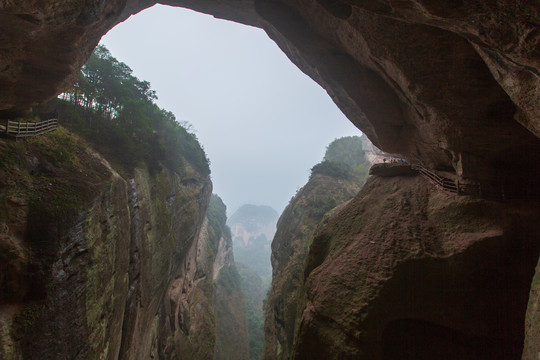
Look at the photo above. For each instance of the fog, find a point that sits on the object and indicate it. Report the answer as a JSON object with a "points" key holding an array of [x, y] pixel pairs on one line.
{"points": [[262, 122]]}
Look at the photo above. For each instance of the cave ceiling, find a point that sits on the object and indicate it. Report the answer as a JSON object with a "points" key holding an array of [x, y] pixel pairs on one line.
{"points": [[446, 83]]}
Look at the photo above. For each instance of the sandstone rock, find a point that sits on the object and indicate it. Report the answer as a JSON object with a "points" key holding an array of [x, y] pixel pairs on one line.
{"points": [[289, 251], [45, 45], [55, 272], [99, 268], [404, 271]]}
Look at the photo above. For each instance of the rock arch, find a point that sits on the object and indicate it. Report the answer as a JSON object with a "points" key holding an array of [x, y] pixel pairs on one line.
{"points": [[446, 84]]}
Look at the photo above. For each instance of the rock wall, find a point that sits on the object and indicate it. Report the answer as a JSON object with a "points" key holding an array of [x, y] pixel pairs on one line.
{"points": [[404, 271], [289, 252], [453, 85], [65, 227], [98, 267]]}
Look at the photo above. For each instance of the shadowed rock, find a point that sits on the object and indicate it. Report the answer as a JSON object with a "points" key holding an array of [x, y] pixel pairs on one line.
{"points": [[447, 84], [404, 271]]}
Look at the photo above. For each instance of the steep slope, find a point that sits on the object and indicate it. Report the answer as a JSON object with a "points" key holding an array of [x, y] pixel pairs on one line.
{"points": [[289, 250], [232, 340], [112, 268], [405, 271], [65, 227], [251, 221], [95, 254], [122, 258], [332, 182]]}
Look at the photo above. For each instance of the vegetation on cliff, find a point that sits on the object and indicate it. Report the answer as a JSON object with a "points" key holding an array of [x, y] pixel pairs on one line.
{"points": [[405, 271], [88, 255], [232, 332], [254, 294], [253, 227], [116, 112], [335, 180], [217, 217], [229, 305], [344, 158], [46, 183]]}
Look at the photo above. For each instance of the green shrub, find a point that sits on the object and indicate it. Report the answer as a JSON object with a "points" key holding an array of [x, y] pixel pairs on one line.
{"points": [[320, 205], [339, 170], [116, 112]]}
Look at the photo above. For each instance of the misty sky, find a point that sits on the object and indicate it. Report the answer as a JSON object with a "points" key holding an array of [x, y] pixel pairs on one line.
{"points": [[263, 123]]}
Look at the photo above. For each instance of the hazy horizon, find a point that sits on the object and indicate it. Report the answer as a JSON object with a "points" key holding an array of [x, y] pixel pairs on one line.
{"points": [[262, 122]]}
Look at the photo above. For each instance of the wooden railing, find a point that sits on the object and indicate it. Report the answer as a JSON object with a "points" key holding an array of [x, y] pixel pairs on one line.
{"points": [[440, 182], [19, 129], [487, 191]]}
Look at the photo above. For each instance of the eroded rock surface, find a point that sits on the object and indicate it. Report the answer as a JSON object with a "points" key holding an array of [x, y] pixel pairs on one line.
{"points": [[95, 266], [67, 228], [404, 271], [450, 84], [289, 252]]}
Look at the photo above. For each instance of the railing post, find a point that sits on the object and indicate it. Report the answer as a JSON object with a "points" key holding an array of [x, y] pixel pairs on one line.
{"points": [[458, 188], [7, 126]]}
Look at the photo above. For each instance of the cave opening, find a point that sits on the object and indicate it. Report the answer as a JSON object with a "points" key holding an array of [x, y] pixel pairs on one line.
{"points": [[263, 123], [440, 335], [460, 308]]}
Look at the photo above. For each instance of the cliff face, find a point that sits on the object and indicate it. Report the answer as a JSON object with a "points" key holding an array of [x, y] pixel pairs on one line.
{"points": [[252, 221], [98, 267], [65, 227], [404, 271], [163, 311], [289, 251], [453, 85]]}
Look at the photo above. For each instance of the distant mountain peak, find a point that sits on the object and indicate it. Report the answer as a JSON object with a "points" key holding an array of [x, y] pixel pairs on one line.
{"points": [[249, 213], [252, 229]]}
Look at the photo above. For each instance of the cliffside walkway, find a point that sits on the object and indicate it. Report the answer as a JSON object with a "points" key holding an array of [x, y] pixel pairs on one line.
{"points": [[486, 191], [501, 191], [19, 129]]}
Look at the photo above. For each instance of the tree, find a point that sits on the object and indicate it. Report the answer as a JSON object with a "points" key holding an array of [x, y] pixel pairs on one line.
{"points": [[129, 116]]}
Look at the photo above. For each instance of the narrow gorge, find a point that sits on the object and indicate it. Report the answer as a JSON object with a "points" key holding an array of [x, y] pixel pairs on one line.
{"points": [[109, 259], [112, 267]]}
